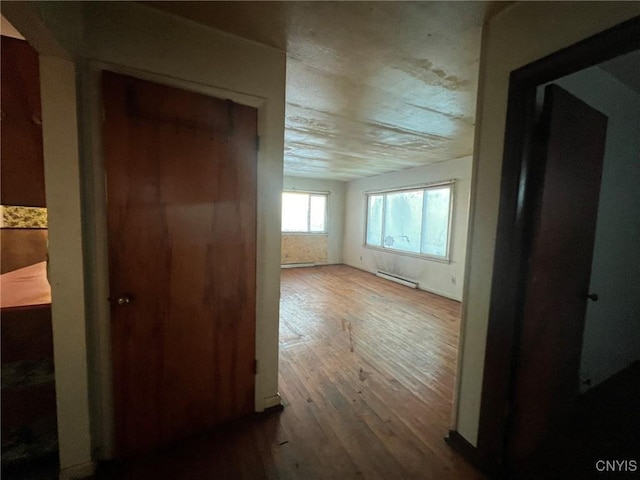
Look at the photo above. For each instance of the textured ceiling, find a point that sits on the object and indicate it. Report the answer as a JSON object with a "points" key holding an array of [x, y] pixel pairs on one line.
{"points": [[372, 87]]}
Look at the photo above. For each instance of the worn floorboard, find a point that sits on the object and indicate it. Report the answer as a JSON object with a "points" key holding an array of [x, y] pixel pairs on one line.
{"points": [[366, 375]]}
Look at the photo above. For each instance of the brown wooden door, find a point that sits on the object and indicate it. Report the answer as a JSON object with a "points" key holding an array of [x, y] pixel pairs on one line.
{"points": [[181, 193], [569, 166]]}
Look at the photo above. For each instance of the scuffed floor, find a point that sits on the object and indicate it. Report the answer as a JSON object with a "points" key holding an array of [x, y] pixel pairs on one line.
{"points": [[366, 375]]}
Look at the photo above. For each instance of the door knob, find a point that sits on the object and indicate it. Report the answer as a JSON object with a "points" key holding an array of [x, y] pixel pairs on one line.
{"points": [[124, 300], [593, 297]]}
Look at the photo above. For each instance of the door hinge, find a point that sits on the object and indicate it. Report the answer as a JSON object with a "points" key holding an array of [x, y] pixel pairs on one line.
{"points": [[255, 367], [257, 143]]}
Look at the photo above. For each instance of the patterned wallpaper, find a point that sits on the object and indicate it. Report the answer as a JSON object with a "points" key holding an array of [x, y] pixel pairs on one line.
{"points": [[23, 217]]}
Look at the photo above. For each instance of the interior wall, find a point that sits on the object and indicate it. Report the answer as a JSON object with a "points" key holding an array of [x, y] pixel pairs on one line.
{"points": [[66, 264], [126, 36], [133, 39], [513, 38], [444, 279], [612, 332], [335, 217], [304, 249]]}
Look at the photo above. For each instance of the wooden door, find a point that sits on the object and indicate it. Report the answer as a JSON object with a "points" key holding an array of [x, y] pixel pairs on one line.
{"points": [[181, 200], [569, 166]]}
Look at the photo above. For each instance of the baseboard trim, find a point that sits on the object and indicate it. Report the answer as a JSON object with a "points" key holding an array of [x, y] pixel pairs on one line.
{"points": [[273, 404], [272, 401], [421, 288], [470, 453], [274, 409], [81, 470], [594, 391]]}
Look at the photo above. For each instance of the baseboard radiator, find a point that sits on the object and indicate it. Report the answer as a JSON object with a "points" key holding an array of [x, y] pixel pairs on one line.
{"points": [[407, 282]]}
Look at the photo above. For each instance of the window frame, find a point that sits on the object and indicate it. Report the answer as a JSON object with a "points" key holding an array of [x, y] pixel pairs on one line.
{"points": [[310, 193], [411, 188]]}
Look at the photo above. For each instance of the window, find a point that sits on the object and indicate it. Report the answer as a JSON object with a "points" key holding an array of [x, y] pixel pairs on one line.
{"points": [[416, 221], [304, 212]]}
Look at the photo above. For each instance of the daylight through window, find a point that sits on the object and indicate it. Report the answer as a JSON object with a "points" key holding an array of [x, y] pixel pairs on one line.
{"points": [[416, 221], [304, 212]]}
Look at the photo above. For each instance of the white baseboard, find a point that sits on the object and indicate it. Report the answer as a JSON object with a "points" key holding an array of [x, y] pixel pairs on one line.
{"points": [[440, 294], [272, 401], [74, 472], [420, 287]]}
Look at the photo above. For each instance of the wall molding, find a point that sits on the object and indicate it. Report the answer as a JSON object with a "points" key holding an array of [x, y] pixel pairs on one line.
{"points": [[272, 401], [82, 470]]}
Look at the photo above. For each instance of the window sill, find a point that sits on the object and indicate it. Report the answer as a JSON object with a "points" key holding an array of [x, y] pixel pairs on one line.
{"points": [[307, 234]]}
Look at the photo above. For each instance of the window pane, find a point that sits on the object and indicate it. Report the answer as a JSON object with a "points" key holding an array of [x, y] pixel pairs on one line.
{"points": [[374, 220], [436, 221], [402, 221], [318, 216], [295, 212]]}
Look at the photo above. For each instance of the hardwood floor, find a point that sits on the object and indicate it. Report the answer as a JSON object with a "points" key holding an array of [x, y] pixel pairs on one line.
{"points": [[368, 366], [366, 375]]}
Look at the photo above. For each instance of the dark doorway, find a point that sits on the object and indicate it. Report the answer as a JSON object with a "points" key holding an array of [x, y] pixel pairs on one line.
{"points": [[569, 151], [515, 261]]}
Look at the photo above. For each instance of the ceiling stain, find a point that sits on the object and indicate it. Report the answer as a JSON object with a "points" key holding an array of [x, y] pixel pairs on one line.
{"points": [[372, 87], [424, 71]]}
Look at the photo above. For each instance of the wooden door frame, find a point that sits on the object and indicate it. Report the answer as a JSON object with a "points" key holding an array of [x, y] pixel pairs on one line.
{"points": [[515, 224], [95, 225]]}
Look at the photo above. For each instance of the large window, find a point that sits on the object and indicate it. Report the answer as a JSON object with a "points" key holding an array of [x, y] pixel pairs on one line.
{"points": [[304, 212], [416, 221]]}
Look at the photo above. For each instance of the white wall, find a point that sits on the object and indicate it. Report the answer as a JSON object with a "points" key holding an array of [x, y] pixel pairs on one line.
{"points": [[63, 190], [133, 39], [612, 327], [433, 276], [520, 34], [335, 209]]}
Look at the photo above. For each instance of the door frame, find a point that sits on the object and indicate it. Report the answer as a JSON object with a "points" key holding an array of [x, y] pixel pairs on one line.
{"points": [[515, 225], [96, 248]]}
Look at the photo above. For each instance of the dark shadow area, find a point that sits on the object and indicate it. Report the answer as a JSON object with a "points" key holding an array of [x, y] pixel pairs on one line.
{"points": [[44, 468], [604, 427], [241, 449]]}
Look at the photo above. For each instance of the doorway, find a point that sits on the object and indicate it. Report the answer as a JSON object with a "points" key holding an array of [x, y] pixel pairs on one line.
{"points": [[509, 334], [607, 337]]}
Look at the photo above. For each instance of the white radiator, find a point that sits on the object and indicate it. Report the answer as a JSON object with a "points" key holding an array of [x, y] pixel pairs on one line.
{"points": [[397, 278]]}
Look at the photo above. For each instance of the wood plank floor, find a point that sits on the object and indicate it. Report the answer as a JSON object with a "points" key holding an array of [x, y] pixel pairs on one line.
{"points": [[366, 374]]}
